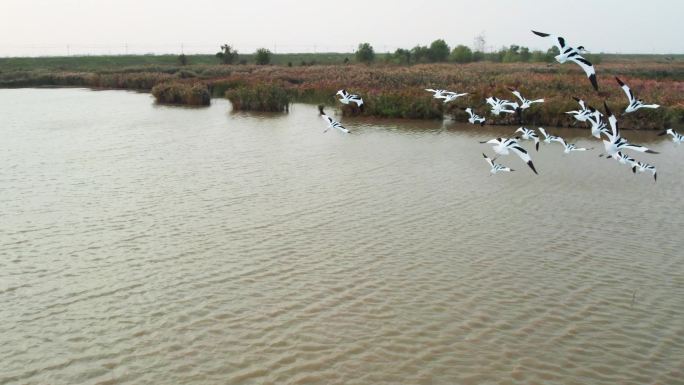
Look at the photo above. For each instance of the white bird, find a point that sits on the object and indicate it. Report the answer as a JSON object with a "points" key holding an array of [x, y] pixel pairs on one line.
{"points": [[451, 96], [550, 138], [634, 103], [350, 98], [505, 146], [524, 103], [332, 123], [621, 158], [495, 167], [641, 167], [616, 142], [499, 105], [598, 126], [570, 147], [437, 94], [677, 138], [474, 118], [528, 134], [572, 54], [583, 113]]}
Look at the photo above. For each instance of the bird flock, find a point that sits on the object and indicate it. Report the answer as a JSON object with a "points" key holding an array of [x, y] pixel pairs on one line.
{"points": [[613, 141]]}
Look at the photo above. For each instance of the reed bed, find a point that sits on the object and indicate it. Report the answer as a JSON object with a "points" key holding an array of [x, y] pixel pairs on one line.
{"points": [[397, 91]]}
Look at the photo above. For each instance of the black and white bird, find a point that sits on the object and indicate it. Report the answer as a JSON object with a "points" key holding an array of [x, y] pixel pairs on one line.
{"points": [[570, 147], [621, 158], [332, 123], [350, 98], [504, 146], [677, 138], [616, 142], [634, 103], [474, 118], [641, 167], [524, 103], [550, 138], [598, 126], [583, 113], [501, 105], [451, 96], [529, 134], [572, 54], [495, 167]]}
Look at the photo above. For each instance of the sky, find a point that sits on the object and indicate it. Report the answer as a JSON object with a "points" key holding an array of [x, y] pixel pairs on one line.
{"points": [[61, 27]]}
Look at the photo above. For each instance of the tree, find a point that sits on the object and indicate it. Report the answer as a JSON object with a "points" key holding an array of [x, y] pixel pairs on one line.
{"points": [[438, 51], [228, 55], [402, 56], [182, 59], [479, 42], [420, 54], [365, 53], [262, 56], [462, 54], [552, 53], [525, 54]]}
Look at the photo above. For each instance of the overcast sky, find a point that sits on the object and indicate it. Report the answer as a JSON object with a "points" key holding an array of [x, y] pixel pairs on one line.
{"points": [[58, 27]]}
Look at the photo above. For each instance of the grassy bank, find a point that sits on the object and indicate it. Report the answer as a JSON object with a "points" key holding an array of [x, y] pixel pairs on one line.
{"points": [[389, 90]]}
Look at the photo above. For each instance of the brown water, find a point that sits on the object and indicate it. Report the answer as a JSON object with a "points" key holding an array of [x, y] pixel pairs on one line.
{"points": [[156, 245]]}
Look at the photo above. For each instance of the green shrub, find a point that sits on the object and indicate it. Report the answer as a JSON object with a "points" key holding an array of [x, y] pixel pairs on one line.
{"points": [[263, 97], [196, 94], [365, 53]]}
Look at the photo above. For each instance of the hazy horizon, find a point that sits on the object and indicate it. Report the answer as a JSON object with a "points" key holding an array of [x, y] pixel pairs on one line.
{"points": [[71, 27]]}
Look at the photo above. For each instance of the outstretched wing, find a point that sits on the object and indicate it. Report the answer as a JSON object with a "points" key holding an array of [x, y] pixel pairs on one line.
{"points": [[522, 153], [469, 111], [581, 102], [543, 131], [614, 128], [627, 90], [491, 163], [560, 42], [517, 94], [588, 69], [638, 148]]}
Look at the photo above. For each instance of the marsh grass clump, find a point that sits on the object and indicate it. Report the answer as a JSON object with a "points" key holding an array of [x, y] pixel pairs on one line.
{"points": [[260, 97], [195, 94]]}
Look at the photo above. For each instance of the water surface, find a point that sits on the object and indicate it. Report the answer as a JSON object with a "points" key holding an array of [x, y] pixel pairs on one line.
{"points": [[142, 244]]}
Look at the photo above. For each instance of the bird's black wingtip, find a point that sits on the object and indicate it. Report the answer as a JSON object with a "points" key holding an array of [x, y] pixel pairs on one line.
{"points": [[320, 109], [576, 98], [619, 81], [483, 154], [532, 167], [542, 34], [537, 146], [594, 83], [651, 152], [655, 177], [608, 112], [633, 169]]}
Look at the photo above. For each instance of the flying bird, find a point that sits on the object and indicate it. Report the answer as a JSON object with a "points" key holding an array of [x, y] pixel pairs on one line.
{"points": [[550, 138], [598, 126], [634, 103], [616, 142], [641, 167], [437, 94], [524, 103], [572, 54], [495, 167], [350, 98], [528, 134], [451, 96], [583, 113], [505, 146], [332, 123], [570, 147], [474, 118], [499, 105], [677, 138]]}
